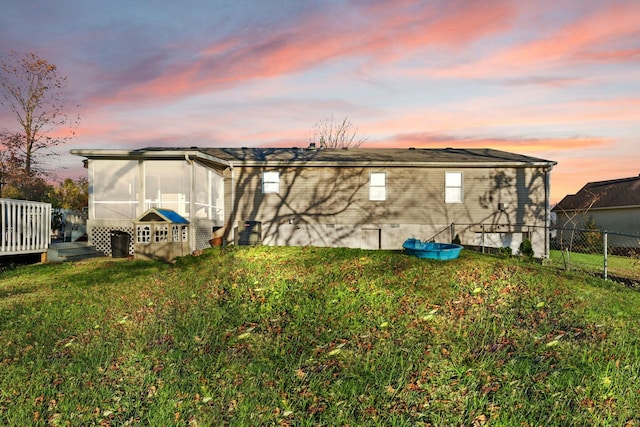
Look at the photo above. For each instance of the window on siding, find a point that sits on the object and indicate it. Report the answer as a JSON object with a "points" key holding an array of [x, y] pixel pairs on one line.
{"points": [[453, 187], [378, 186], [270, 182]]}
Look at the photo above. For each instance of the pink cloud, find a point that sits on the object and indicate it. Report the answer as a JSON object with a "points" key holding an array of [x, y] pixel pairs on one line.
{"points": [[599, 33], [608, 35], [522, 145], [393, 28], [382, 31]]}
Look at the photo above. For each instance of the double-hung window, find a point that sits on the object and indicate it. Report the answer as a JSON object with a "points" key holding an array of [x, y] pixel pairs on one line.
{"points": [[270, 182], [378, 186], [453, 187]]}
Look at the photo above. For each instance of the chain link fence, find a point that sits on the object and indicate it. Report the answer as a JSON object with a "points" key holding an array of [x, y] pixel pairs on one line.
{"points": [[607, 254]]}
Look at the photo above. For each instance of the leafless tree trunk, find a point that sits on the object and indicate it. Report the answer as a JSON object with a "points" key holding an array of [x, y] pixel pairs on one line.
{"points": [[330, 134]]}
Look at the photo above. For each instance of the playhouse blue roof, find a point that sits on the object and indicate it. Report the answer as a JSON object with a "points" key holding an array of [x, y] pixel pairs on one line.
{"points": [[172, 216]]}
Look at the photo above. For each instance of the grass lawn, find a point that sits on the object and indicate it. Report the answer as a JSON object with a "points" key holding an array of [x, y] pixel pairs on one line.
{"points": [[627, 267], [316, 336]]}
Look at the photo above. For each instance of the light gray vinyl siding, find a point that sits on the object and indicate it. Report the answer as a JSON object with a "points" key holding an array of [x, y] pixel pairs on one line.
{"points": [[334, 195]]}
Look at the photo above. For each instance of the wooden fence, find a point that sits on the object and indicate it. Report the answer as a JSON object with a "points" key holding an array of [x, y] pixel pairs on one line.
{"points": [[25, 227]]}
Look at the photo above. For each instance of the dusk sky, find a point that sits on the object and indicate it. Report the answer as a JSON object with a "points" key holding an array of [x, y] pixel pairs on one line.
{"points": [[556, 79]]}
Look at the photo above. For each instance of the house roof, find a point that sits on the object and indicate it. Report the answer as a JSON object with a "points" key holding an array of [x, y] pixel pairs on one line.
{"points": [[322, 157], [369, 155], [603, 194]]}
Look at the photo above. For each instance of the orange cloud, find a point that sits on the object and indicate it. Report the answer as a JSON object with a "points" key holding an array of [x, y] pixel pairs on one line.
{"points": [[571, 174]]}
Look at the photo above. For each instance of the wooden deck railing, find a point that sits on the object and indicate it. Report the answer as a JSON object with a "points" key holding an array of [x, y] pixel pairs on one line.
{"points": [[25, 227]]}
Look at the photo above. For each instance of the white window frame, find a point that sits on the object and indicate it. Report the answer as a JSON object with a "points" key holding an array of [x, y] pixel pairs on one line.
{"points": [[377, 191], [453, 187], [270, 182]]}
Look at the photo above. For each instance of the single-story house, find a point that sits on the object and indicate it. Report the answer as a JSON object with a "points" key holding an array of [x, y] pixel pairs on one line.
{"points": [[366, 198], [614, 205]]}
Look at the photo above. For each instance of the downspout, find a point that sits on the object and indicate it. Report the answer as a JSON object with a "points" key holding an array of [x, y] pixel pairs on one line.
{"points": [[192, 205], [142, 182], [92, 200], [233, 202], [547, 210]]}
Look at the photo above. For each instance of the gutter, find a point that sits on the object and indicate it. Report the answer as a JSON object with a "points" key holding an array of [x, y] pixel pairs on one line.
{"points": [[197, 154], [387, 164]]}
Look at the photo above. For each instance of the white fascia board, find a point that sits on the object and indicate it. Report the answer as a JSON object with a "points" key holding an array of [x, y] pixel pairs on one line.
{"points": [[148, 155]]}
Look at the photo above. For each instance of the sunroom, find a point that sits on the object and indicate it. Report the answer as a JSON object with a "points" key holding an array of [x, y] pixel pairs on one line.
{"points": [[124, 186]]}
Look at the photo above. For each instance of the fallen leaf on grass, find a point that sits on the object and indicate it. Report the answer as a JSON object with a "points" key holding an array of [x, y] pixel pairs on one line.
{"points": [[480, 420], [247, 333]]}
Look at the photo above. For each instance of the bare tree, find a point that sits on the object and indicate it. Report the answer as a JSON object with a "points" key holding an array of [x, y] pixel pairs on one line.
{"points": [[330, 134], [576, 214], [35, 95]]}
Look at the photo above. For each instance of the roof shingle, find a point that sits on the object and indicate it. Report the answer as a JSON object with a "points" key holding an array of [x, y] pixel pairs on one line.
{"points": [[603, 194], [417, 155]]}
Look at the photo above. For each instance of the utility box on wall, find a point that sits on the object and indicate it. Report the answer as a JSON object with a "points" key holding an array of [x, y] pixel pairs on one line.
{"points": [[161, 234]]}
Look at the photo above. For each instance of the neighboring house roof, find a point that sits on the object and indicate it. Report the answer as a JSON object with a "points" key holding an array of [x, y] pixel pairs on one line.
{"points": [[316, 157], [613, 193]]}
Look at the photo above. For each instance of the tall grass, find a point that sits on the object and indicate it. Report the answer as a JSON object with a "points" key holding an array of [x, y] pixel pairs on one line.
{"points": [[314, 336]]}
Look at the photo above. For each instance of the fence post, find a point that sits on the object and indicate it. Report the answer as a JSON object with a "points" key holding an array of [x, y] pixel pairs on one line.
{"points": [[604, 241], [482, 228], [453, 230]]}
